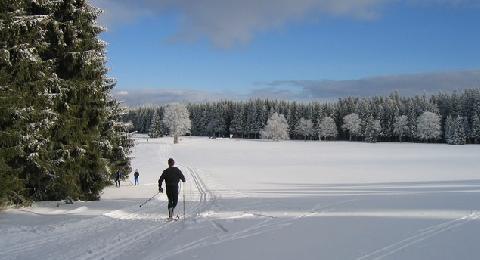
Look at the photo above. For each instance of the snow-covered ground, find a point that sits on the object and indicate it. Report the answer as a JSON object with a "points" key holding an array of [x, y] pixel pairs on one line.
{"points": [[253, 199]]}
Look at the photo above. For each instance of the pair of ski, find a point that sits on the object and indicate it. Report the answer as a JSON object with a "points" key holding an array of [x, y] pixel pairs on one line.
{"points": [[177, 218]]}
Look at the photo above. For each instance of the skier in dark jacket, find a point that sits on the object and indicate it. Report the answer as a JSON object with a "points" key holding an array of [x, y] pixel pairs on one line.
{"points": [[172, 175], [136, 174], [118, 175]]}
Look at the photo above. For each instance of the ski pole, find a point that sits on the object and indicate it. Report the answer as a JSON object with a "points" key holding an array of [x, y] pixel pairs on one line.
{"points": [[183, 191], [145, 202]]}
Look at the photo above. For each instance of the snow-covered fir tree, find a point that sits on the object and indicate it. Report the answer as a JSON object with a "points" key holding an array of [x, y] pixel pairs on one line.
{"points": [[400, 126], [353, 124], [293, 116], [475, 129], [237, 125], [276, 128], [176, 118], [304, 128], [156, 126], [428, 126], [29, 89], [455, 130], [327, 128], [372, 130], [57, 113]]}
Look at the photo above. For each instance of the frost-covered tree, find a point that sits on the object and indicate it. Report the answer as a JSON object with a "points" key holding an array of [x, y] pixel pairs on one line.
{"points": [[455, 130], [244, 119], [156, 126], [353, 124], [237, 126], [428, 126], [372, 130], [176, 118], [304, 128], [400, 126], [276, 128], [327, 128], [214, 128], [475, 130]]}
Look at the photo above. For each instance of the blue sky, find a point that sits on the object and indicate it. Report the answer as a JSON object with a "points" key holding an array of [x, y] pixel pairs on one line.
{"points": [[241, 49]]}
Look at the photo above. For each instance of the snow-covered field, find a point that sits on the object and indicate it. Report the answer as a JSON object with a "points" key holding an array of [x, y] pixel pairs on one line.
{"points": [[253, 199]]}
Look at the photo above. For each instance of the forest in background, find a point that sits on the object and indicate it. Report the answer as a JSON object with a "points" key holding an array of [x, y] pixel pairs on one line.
{"points": [[458, 112]]}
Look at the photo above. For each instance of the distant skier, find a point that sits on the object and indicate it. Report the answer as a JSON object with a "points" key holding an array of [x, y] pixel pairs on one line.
{"points": [[172, 175], [118, 175], [136, 174]]}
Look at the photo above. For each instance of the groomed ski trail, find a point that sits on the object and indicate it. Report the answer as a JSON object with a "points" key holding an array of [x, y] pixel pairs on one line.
{"points": [[421, 235], [116, 233]]}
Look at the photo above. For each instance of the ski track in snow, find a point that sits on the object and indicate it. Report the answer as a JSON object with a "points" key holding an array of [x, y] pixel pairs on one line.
{"points": [[97, 231], [121, 244], [421, 235], [131, 231], [266, 225]]}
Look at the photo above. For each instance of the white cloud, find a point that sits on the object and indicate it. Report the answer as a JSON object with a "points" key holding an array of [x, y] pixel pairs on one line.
{"points": [[154, 96], [310, 90], [229, 22], [122, 93], [408, 85]]}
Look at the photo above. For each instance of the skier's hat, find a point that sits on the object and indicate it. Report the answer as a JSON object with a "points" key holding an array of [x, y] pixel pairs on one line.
{"points": [[171, 161]]}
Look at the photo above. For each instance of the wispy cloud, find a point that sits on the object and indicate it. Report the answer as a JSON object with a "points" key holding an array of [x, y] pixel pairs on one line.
{"points": [[310, 90], [153, 96], [408, 85], [230, 22]]}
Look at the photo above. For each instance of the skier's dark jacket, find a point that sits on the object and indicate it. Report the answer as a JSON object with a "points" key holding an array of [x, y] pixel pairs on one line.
{"points": [[172, 175]]}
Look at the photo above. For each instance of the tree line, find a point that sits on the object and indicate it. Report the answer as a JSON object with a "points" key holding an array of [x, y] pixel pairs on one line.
{"points": [[60, 129], [449, 118]]}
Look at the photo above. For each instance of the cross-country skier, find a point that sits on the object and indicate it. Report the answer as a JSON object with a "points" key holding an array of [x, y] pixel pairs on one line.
{"points": [[136, 174], [172, 175], [118, 175]]}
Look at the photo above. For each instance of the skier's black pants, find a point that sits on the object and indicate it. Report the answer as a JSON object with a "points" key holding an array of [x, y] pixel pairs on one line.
{"points": [[172, 195]]}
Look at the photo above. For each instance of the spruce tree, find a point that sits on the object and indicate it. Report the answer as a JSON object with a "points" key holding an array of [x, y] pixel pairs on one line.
{"points": [[400, 126], [91, 143], [29, 88], [475, 130], [156, 126], [61, 134], [455, 130], [372, 130], [449, 126], [237, 125]]}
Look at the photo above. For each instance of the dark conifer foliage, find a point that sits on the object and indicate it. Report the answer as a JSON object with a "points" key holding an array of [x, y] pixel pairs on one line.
{"points": [[60, 131]]}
